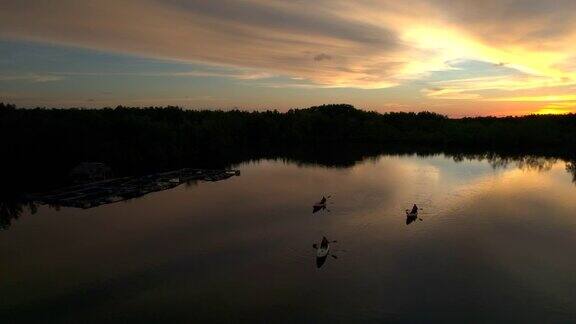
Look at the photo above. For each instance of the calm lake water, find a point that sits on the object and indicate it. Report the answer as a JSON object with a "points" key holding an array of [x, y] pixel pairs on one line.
{"points": [[495, 243]]}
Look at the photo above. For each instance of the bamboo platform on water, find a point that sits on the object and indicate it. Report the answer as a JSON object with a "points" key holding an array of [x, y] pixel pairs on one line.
{"points": [[94, 194]]}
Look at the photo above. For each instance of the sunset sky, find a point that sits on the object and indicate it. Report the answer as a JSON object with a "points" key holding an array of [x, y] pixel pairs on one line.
{"points": [[460, 58]]}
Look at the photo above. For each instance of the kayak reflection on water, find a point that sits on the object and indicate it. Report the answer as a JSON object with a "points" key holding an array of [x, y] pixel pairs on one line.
{"points": [[320, 205], [322, 251]]}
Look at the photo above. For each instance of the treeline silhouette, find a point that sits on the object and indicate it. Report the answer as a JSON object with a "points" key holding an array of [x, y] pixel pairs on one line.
{"points": [[42, 145]]}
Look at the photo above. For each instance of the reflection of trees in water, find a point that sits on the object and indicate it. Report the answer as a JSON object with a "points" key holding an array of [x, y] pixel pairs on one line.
{"points": [[523, 162], [11, 210], [497, 161], [536, 163], [571, 168], [528, 162]]}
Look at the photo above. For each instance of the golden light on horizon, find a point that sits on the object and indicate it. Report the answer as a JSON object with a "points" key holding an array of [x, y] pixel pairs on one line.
{"points": [[557, 99], [551, 110]]}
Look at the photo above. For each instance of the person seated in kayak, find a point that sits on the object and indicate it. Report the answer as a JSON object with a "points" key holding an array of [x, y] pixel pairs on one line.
{"points": [[414, 209], [324, 242]]}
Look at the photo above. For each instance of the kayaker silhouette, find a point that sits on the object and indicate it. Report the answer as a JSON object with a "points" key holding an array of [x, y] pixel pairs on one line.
{"points": [[324, 243], [323, 251], [412, 215], [410, 218]]}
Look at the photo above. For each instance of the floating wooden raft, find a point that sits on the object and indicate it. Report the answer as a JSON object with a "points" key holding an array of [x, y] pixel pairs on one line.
{"points": [[109, 191]]}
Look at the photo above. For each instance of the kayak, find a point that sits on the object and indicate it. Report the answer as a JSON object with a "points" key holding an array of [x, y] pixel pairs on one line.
{"points": [[411, 217], [322, 251], [321, 256], [409, 214]]}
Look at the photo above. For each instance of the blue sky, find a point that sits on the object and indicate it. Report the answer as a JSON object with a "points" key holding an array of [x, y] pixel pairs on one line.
{"points": [[52, 75]]}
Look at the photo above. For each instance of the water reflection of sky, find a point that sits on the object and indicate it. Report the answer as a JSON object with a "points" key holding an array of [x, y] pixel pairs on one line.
{"points": [[494, 244]]}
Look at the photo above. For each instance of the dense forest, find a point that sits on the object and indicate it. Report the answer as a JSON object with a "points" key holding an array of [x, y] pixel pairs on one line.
{"points": [[44, 144]]}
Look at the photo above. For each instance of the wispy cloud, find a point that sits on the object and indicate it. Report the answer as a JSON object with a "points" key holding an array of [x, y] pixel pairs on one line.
{"points": [[279, 38], [31, 77], [322, 57], [229, 73], [473, 88], [243, 75]]}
